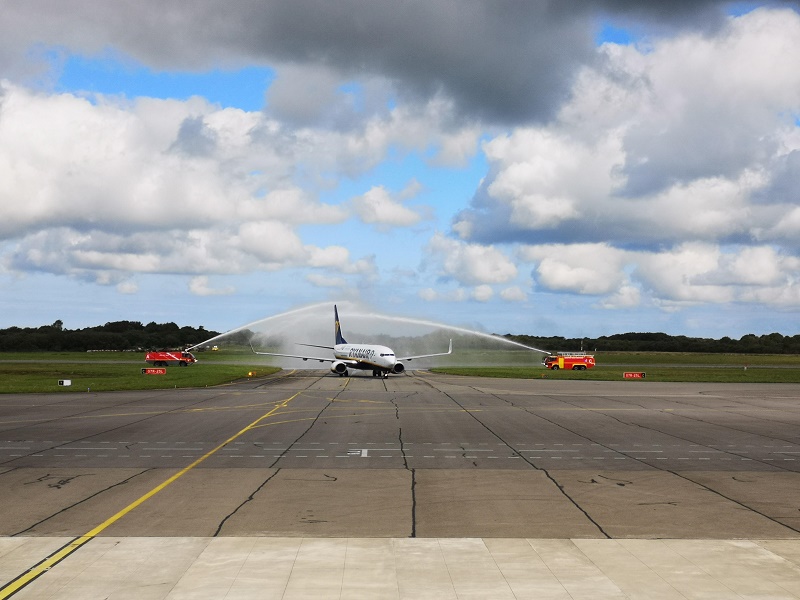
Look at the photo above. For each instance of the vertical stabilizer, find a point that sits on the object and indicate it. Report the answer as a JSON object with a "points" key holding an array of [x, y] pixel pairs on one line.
{"points": [[339, 338]]}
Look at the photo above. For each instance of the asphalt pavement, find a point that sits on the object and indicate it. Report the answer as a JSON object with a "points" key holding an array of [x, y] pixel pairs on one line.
{"points": [[306, 455]]}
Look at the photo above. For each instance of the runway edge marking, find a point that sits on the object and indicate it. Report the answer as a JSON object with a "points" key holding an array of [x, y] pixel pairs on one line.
{"points": [[43, 566]]}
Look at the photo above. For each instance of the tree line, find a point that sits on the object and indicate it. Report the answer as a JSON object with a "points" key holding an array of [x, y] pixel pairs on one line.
{"points": [[117, 335], [133, 335], [772, 343]]}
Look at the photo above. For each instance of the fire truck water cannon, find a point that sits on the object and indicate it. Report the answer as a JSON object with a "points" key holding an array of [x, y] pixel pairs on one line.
{"points": [[577, 361]]}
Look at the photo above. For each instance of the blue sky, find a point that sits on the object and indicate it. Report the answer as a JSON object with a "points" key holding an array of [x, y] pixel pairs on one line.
{"points": [[608, 168], [113, 74]]}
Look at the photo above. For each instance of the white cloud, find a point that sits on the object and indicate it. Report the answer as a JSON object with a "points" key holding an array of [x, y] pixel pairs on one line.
{"points": [[456, 148], [690, 273], [127, 287], [470, 264], [338, 258], [290, 205], [784, 227], [699, 272], [432, 295], [667, 177], [546, 174], [325, 281], [658, 146], [377, 207], [627, 296], [271, 242], [166, 186], [428, 294], [199, 286], [686, 150], [482, 293], [579, 268], [513, 294], [675, 275]]}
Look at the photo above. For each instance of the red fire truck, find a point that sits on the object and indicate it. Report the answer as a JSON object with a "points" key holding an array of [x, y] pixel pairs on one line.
{"points": [[163, 359], [577, 361]]}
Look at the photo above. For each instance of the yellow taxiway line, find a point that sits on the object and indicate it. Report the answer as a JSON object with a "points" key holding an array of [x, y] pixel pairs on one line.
{"points": [[16, 584]]}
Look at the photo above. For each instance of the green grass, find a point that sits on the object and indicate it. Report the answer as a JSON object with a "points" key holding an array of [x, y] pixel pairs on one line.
{"points": [[106, 371], [113, 371], [692, 358], [688, 374], [660, 366]]}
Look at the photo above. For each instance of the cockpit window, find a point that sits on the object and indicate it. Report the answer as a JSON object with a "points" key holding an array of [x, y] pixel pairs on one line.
{"points": [[387, 354]]}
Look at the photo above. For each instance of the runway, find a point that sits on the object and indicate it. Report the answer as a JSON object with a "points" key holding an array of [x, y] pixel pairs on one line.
{"points": [[309, 456]]}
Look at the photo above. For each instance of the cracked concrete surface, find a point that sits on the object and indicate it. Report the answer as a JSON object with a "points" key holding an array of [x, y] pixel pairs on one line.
{"points": [[419, 457]]}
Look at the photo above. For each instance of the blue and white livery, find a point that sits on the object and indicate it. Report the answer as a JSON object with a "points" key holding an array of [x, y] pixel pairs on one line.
{"points": [[381, 360]]}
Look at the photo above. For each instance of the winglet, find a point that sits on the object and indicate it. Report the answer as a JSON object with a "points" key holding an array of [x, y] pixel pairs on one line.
{"points": [[337, 328]]}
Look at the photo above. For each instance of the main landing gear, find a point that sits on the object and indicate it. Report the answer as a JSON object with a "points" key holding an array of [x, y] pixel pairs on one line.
{"points": [[377, 373]]}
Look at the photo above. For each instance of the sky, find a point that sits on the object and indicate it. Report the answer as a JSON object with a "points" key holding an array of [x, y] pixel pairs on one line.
{"points": [[556, 168]]}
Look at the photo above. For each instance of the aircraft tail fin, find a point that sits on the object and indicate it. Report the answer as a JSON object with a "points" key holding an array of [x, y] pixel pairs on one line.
{"points": [[339, 338]]}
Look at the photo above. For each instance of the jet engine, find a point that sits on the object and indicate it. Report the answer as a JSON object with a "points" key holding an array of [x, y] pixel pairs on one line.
{"points": [[398, 368], [339, 368]]}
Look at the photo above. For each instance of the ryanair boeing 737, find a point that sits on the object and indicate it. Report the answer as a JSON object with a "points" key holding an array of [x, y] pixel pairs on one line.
{"points": [[380, 359]]}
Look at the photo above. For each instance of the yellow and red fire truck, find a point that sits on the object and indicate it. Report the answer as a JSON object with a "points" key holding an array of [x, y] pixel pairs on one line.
{"points": [[577, 361]]}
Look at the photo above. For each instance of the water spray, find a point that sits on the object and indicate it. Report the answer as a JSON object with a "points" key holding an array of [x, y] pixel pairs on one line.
{"points": [[288, 324]]}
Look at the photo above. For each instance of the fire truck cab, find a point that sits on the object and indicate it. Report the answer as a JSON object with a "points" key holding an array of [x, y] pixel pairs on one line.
{"points": [[577, 361]]}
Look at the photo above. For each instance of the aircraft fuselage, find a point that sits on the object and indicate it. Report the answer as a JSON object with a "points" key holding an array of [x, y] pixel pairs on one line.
{"points": [[366, 356]]}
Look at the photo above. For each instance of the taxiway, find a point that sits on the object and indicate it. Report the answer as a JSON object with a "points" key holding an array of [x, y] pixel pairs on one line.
{"points": [[305, 456]]}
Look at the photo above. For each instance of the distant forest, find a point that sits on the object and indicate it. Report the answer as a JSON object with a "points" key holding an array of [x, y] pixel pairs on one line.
{"points": [[119, 335], [773, 343], [133, 335]]}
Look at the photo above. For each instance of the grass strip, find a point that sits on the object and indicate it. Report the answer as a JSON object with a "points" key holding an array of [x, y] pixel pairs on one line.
{"points": [[104, 376], [700, 374]]}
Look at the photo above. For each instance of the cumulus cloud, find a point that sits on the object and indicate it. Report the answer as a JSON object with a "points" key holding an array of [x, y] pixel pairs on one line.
{"points": [[669, 177], [378, 208], [513, 294], [626, 296], [482, 293], [470, 264], [127, 287], [697, 272], [690, 273], [662, 172], [498, 60], [431, 295], [580, 268], [106, 184], [200, 286], [679, 140], [326, 281]]}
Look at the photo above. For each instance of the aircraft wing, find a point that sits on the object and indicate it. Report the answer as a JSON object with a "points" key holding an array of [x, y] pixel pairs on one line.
{"points": [[330, 360], [449, 351]]}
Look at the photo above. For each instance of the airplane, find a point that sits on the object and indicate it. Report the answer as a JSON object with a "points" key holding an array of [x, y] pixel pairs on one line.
{"points": [[380, 359]]}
